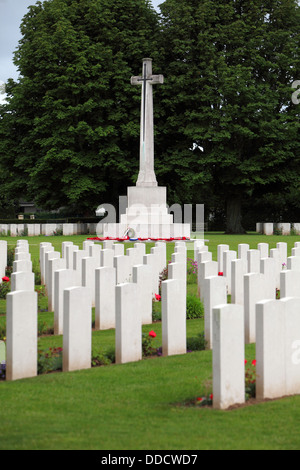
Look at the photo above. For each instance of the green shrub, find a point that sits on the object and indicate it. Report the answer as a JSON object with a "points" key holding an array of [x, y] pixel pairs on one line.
{"points": [[24, 233], [194, 307], [4, 289], [147, 344], [59, 232], [250, 379], [111, 354], [162, 277], [49, 360], [3, 371], [156, 311], [37, 272], [10, 256], [44, 328], [2, 332], [101, 358], [192, 270], [196, 343]]}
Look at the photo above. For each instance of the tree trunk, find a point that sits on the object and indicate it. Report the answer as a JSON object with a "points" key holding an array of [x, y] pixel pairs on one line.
{"points": [[234, 215]]}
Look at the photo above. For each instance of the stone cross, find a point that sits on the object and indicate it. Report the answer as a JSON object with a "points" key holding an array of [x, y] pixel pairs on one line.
{"points": [[147, 176]]}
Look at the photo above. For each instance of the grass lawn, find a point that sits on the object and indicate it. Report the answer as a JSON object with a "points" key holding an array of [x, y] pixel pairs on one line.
{"points": [[143, 405]]}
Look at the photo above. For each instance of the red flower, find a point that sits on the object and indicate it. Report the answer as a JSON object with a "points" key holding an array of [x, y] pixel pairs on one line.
{"points": [[158, 297], [5, 279], [152, 334], [246, 362], [254, 362], [199, 399], [211, 396], [220, 274]]}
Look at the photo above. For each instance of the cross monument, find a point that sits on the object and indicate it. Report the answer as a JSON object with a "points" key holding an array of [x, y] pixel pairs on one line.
{"points": [[147, 214], [147, 176]]}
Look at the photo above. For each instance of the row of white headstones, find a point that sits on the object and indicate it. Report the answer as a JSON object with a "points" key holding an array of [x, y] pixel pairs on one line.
{"points": [[122, 290], [253, 278], [120, 286]]}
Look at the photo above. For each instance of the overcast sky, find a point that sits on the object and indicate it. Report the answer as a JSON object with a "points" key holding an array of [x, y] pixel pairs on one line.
{"points": [[11, 14]]}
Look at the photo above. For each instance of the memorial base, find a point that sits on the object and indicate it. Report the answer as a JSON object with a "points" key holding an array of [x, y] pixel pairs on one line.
{"points": [[146, 217]]}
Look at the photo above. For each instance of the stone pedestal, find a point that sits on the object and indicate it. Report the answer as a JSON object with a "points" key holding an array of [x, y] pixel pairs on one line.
{"points": [[146, 217]]}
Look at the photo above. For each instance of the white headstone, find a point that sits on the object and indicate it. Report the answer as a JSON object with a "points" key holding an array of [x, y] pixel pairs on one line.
{"points": [[89, 266], [107, 257], [163, 254], [22, 281], [275, 254], [48, 256], [63, 279], [268, 228], [254, 292], [21, 335], [238, 270], [142, 276], [285, 228], [221, 249], [69, 251], [296, 251], [24, 256], [253, 257], [21, 249], [278, 348], [199, 246], [268, 269], [86, 245], [77, 325], [3, 258], [289, 284], [215, 293], [204, 256], [228, 356], [105, 298], [118, 249], [53, 265], [173, 317], [123, 267], [263, 248], [128, 324], [77, 262], [63, 248], [206, 269], [95, 251], [68, 230], [44, 247], [108, 244], [22, 266], [243, 248], [293, 263], [179, 257], [228, 257], [151, 260], [135, 257], [140, 247], [282, 247]]}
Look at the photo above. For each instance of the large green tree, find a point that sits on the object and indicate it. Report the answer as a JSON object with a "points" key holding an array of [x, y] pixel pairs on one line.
{"points": [[230, 129], [70, 131]]}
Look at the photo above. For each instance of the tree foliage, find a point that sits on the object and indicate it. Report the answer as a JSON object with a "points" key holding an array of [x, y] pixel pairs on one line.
{"points": [[227, 132], [71, 126], [231, 126]]}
